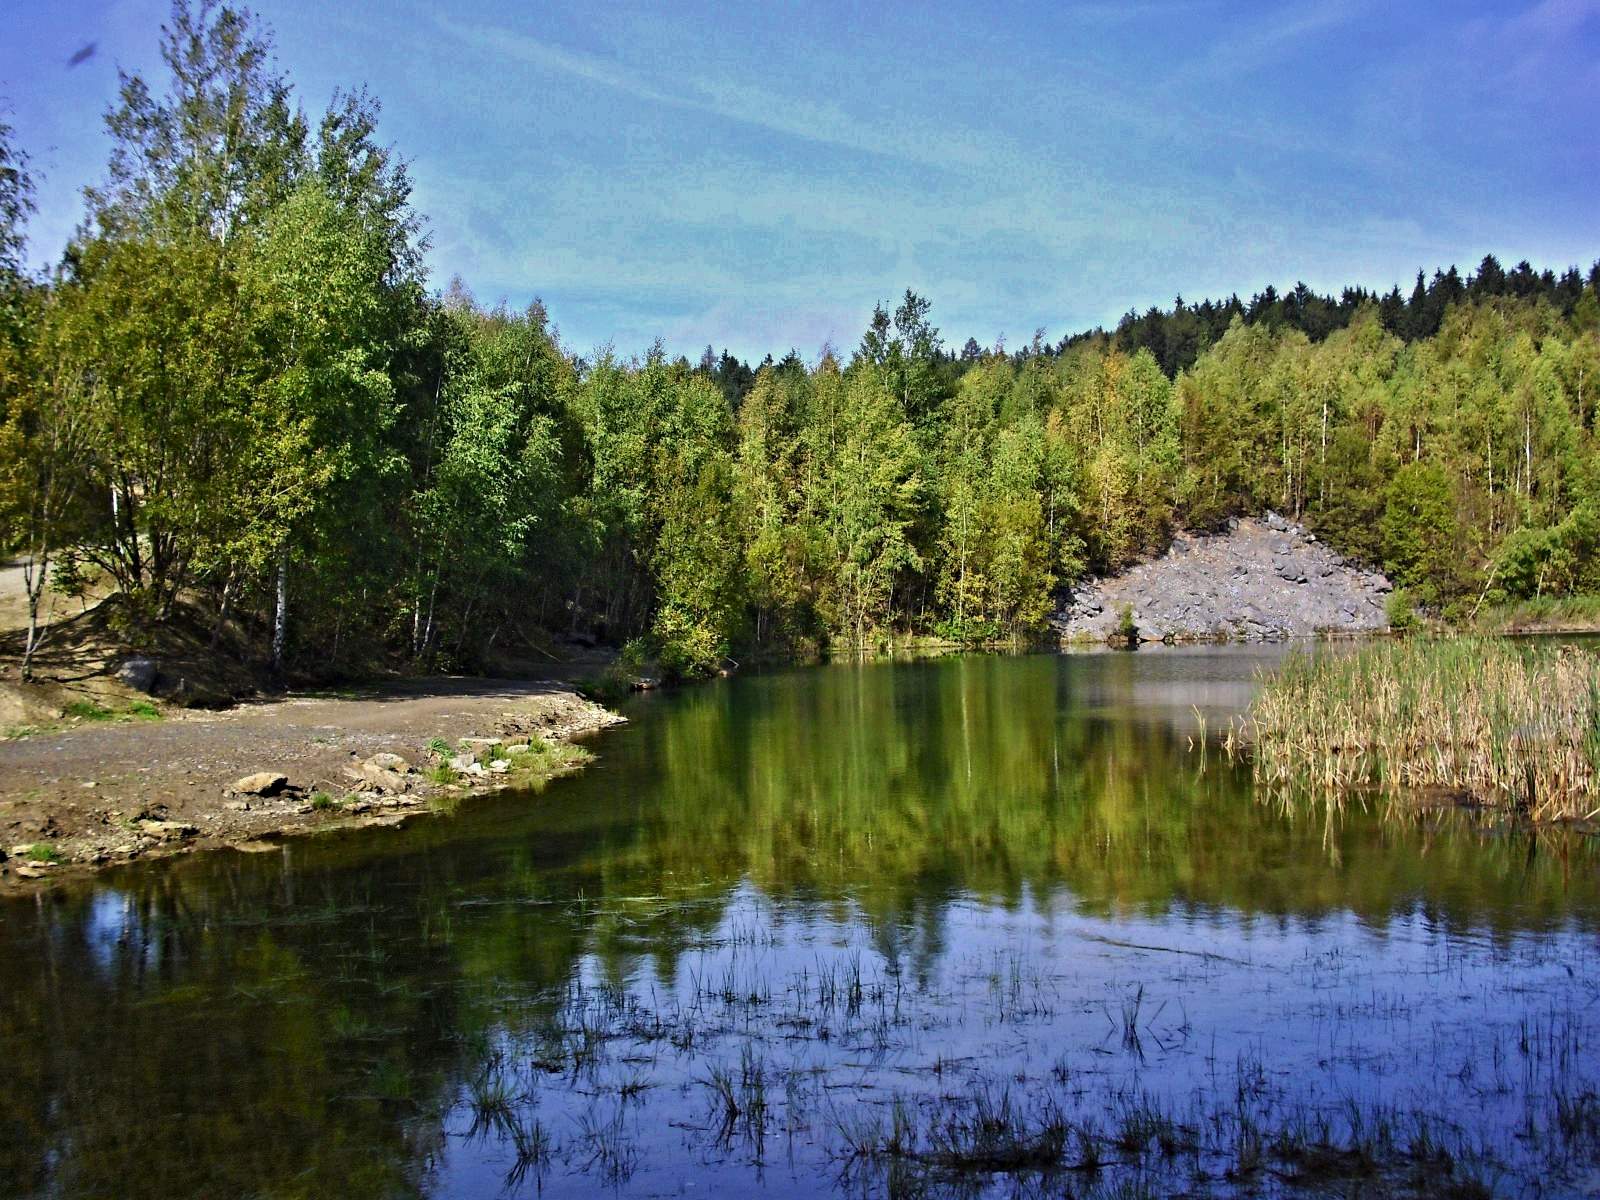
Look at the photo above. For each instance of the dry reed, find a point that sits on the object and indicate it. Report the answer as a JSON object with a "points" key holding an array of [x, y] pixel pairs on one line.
{"points": [[1512, 726]]}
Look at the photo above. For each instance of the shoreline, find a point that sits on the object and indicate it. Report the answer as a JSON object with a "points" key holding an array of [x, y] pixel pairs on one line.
{"points": [[80, 800]]}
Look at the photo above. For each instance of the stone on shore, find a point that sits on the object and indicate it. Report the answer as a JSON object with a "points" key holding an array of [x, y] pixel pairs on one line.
{"points": [[262, 783]]}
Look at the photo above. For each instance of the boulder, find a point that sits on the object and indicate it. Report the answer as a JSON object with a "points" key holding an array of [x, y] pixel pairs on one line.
{"points": [[368, 776], [139, 674], [262, 783]]}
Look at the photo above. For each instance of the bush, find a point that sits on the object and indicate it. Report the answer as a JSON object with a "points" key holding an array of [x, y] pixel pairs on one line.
{"points": [[1126, 629], [1400, 612]]}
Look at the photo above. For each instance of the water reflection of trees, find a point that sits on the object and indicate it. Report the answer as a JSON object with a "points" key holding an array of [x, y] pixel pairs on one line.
{"points": [[229, 1023], [973, 775]]}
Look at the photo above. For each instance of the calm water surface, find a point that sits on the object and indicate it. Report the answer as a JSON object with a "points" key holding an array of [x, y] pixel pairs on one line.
{"points": [[785, 915]]}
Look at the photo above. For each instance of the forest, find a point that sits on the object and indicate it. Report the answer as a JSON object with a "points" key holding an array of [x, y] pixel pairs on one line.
{"points": [[236, 396]]}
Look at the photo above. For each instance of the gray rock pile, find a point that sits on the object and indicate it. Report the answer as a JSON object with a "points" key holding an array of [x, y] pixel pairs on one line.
{"points": [[1261, 580]]}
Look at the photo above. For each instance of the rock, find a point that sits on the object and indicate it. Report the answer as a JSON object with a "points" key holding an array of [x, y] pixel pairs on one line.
{"points": [[499, 766], [167, 830], [139, 674], [519, 748], [369, 777], [385, 761], [262, 783], [479, 745], [462, 762]]}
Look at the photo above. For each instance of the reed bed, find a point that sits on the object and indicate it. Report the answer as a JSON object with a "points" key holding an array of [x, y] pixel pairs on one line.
{"points": [[1511, 726]]}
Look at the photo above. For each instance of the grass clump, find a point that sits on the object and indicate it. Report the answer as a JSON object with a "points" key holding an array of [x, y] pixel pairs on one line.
{"points": [[85, 710], [1511, 726], [43, 852], [544, 757], [322, 801]]}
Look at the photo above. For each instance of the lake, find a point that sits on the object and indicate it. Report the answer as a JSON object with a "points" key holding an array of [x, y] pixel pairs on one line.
{"points": [[979, 925]]}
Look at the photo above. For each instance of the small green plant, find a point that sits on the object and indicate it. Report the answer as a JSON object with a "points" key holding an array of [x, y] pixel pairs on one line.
{"points": [[439, 746], [611, 686], [321, 801], [43, 852], [635, 653], [440, 774], [68, 576], [85, 710], [143, 710], [1126, 629]]}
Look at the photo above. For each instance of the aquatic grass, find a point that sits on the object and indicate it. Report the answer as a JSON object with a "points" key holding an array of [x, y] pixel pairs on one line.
{"points": [[492, 1099], [1511, 726], [531, 1146]]}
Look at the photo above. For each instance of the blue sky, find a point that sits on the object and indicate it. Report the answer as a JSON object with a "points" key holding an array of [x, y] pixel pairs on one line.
{"points": [[757, 176]]}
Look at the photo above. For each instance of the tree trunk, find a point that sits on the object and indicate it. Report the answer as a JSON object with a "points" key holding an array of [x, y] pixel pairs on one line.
{"points": [[33, 579], [280, 620]]}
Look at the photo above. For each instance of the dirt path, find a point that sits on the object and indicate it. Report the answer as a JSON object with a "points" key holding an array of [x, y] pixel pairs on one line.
{"points": [[104, 792]]}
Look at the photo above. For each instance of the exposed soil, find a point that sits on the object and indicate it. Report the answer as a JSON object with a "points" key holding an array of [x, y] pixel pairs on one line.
{"points": [[106, 792]]}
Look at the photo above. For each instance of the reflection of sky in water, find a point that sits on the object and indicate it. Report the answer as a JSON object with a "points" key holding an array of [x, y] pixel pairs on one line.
{"points": [[108, 925], [1307, 1016]]}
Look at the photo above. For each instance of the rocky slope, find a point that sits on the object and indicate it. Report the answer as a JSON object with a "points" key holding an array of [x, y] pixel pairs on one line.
{"points": [[1261, 580]]}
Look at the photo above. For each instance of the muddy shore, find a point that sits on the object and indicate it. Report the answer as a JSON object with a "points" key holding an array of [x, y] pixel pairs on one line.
{"points": [[77, 799]]}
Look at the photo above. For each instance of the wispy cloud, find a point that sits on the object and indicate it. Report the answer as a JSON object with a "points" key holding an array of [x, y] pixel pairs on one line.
{"points": [[799, 117], [1252, 40]]}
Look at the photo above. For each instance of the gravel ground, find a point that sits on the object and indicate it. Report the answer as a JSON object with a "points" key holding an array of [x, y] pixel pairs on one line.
{"points": [[106, 792]]}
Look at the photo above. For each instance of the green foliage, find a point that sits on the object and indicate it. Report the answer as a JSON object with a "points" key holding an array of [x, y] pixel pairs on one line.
{"points": [[1420, 534], [1127, 628], [1400, 612], [237, 389]]}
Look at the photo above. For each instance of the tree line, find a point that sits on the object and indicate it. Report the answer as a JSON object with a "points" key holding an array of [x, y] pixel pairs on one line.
{"points": [[236, 397]]}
